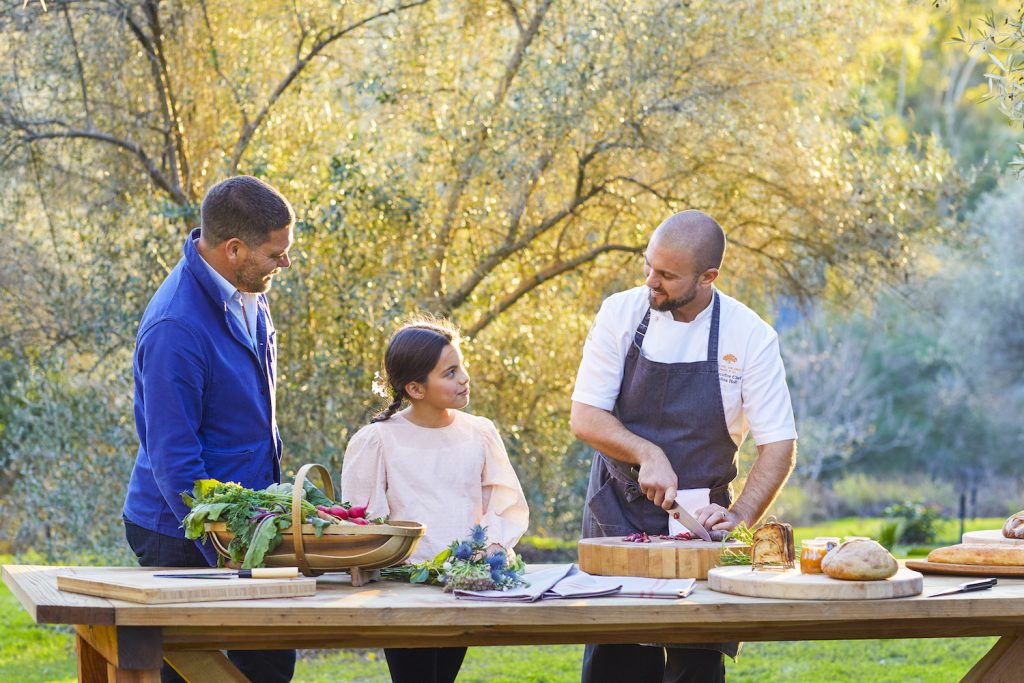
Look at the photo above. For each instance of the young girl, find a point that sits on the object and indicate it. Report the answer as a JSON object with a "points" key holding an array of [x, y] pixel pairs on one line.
{"points": [[434, 464]]}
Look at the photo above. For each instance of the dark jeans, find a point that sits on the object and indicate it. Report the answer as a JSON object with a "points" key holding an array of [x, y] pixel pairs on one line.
{"points": [[649, 664], [424, 665], [158, 550]]}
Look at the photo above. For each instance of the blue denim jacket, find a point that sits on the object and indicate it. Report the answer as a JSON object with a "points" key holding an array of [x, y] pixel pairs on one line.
{"points": [[204, 398]]}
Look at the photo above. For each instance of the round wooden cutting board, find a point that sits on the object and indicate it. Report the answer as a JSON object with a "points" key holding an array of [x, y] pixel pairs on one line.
{"points": [[990, 536], [792, 585], [659, 559]]}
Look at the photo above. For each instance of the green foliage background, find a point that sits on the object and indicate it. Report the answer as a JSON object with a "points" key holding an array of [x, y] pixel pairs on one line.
{"points": [[503, 163]]}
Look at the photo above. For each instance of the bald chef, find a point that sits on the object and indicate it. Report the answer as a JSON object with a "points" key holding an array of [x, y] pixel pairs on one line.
{"points": [[674, 374]]}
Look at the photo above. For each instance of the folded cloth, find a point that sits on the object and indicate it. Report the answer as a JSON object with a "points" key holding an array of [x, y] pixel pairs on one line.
{"points": [[567, 581], [640, 587], [538, 583]]}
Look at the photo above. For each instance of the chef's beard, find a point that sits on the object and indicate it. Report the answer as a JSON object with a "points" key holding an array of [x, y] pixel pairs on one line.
{"points": [[672, 304]]}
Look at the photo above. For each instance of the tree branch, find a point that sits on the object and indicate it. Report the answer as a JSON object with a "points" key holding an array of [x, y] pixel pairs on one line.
{"points": [[78, 66], [242, 144], [155, 174], [552, 270], [439, 256], [215, 59], [498, 255], [158, 69]]}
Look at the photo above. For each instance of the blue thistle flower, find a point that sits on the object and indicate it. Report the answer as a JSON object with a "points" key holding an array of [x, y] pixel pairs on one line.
{"points": [[496, 560], [463, 551], [478, 533], [496, 575]]}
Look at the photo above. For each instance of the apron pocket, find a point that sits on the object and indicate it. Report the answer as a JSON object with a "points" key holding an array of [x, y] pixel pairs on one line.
{"points": [[606, 516]]}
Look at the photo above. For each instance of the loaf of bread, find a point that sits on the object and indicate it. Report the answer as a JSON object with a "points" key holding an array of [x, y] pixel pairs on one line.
{"points": [[1014, 527], [772, 546], [859, 560], [997, 554]]}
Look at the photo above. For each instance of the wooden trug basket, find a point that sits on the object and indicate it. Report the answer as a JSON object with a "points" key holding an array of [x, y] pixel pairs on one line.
{"points": [[344, 547]]}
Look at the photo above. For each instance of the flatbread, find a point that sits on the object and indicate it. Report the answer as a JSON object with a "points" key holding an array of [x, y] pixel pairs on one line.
{"points": [[995, 554]]}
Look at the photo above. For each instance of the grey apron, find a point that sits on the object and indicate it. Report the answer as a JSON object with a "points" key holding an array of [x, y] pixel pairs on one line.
{"points": [[678, 407]]}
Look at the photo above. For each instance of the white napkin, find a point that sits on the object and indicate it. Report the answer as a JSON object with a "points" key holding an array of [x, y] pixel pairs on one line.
{"points": [[567, 581], [539, 582], [690, 500]]}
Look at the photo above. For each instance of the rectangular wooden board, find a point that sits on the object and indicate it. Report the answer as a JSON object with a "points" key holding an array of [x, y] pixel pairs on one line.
{"points": [[140, 585]]}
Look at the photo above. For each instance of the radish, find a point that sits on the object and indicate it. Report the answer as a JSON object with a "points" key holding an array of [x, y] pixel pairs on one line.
{"points": [[358, 520], [357, 511], [339, 512]]}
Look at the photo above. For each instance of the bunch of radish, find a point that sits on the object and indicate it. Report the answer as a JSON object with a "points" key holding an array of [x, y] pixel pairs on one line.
{"points": [[339, 514]]}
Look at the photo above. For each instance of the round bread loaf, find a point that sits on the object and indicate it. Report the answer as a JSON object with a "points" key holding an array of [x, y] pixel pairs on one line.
{"points": [[997, 554], [859, 560], [1014, 527]]}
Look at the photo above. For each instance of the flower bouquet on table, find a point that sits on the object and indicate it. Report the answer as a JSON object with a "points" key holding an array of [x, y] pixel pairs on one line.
{"points": [[465, 565]]}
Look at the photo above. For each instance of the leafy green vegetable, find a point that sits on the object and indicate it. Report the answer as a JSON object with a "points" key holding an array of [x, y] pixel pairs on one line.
{"points": [[256, 518]]}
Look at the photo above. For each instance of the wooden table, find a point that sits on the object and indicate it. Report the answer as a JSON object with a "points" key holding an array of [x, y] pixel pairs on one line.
{"points": [[123, 641]]}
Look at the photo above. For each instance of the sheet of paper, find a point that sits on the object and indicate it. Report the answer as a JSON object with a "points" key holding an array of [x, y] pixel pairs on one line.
{"points": [[690, 500]]}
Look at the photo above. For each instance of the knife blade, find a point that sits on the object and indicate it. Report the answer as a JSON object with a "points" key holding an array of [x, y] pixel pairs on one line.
{"points": [[687, 520], [967, 587], [257, 573]]}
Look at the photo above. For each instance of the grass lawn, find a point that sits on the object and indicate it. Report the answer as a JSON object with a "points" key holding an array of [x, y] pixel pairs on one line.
{"points": [[42, 654]]}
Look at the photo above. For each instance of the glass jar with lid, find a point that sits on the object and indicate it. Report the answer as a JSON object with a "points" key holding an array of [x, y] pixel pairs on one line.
{"points": [[812, 552]]}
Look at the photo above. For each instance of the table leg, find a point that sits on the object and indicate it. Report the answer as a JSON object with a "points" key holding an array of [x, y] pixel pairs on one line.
{"points": [[92, 667], [119, 654], [205, 667], [1002, 664]]}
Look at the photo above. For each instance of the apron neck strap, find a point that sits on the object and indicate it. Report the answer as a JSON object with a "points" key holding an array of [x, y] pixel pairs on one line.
{"points": [[713, 335]]}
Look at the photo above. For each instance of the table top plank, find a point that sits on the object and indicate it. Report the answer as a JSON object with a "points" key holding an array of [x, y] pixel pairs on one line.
{"points": [[382, 608], [37, 592]]}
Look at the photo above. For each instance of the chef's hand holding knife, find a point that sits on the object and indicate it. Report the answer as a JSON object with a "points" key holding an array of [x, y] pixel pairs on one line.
{"points": [[659, 483], [657, 480]]}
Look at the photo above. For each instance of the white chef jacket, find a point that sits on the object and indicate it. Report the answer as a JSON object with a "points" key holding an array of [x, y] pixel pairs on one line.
{"points": [[753, 380]]}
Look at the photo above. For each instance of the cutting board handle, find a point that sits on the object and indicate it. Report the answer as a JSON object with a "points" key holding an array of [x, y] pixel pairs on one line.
{"points": [[327, 486]]}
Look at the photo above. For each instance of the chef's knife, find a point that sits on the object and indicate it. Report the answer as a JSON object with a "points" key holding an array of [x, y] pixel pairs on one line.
{"points": [[684, 517], [257, 573], [687, 520], [967, 587]]}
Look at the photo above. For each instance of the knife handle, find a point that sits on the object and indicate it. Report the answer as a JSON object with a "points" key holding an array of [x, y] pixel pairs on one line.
{"points": [[977, 585], [272, 573]]}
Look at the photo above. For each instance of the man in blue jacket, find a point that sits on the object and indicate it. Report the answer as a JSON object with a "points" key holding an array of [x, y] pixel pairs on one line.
{"points": [[205, 375]]}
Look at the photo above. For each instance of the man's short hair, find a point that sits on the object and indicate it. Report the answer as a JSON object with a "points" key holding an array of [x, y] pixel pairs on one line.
{"points": [[246, 208]]}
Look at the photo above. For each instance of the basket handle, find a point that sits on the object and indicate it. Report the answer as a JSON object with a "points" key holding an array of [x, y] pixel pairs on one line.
{"points": [[327, 486]]}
